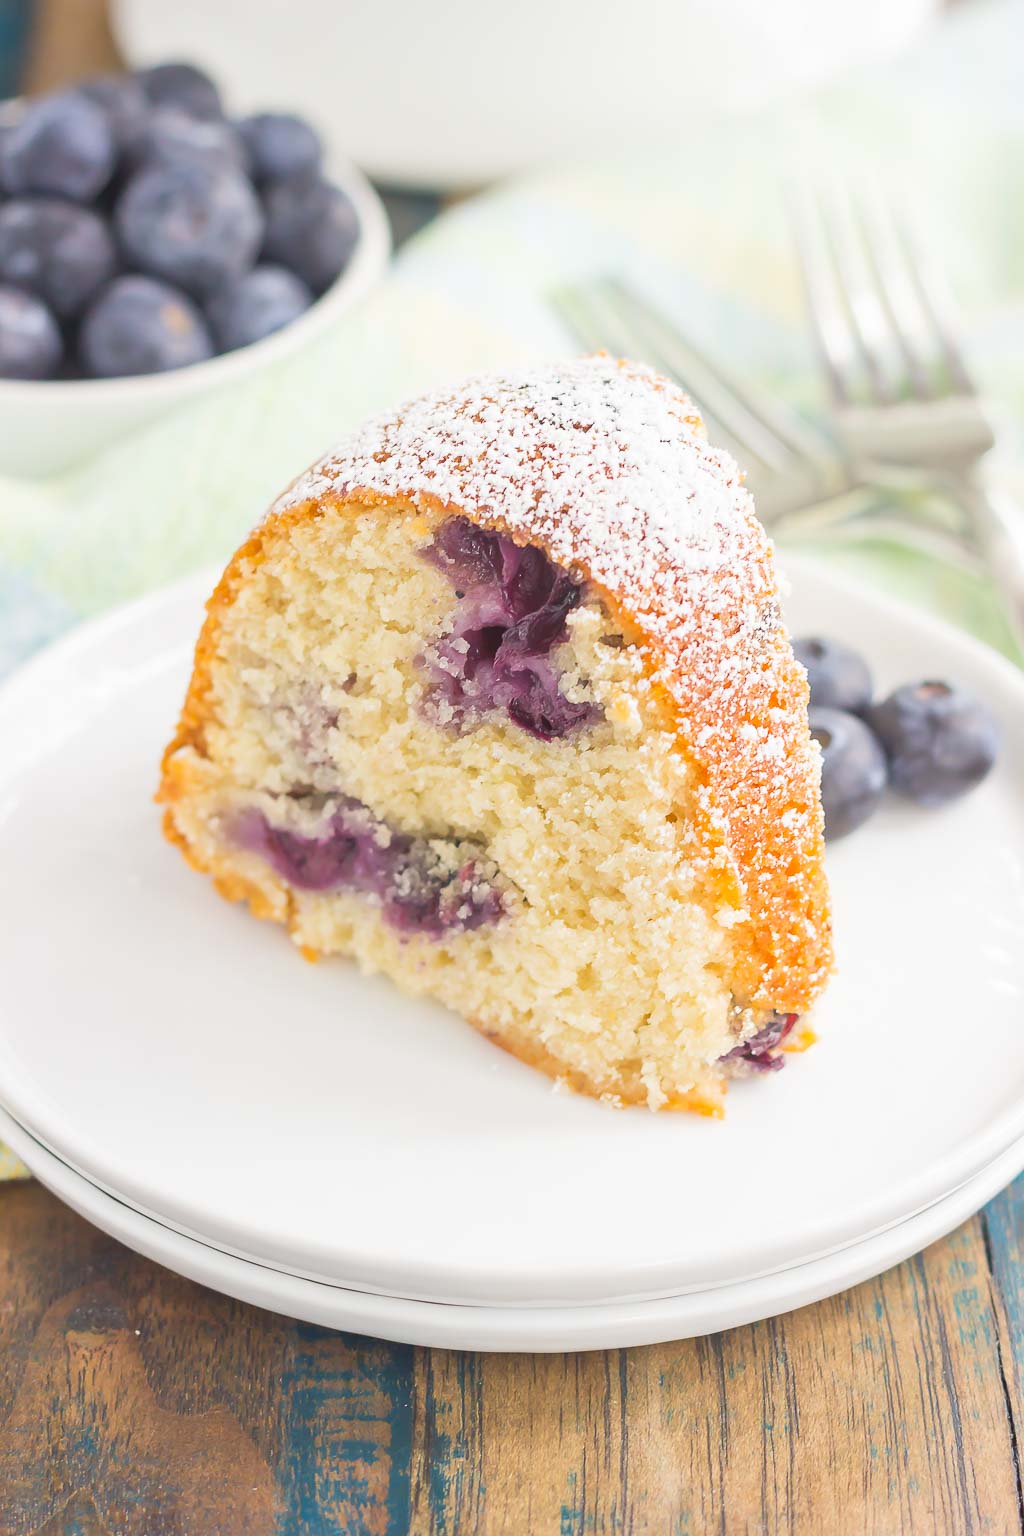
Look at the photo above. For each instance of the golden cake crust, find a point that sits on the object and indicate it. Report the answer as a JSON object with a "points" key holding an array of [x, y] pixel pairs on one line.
{"points": [[605, 465]]}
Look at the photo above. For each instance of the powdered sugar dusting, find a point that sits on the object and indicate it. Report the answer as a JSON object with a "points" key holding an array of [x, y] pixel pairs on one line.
{"points": [[602, 463], [606, 466]]}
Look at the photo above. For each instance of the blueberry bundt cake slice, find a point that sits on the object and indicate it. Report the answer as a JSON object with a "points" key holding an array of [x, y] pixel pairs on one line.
{"points": [[498, 702]]}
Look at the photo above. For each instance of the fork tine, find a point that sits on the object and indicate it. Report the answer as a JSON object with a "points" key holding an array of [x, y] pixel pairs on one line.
{"points": [[754, 413], [829, 318], [664, 348], [577, 315], [912, 326], [938, 304], [598, 324], [606, 315], [875, 334]]}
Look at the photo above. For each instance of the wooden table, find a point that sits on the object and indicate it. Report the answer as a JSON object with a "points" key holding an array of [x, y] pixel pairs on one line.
{"points": [[134, 1403]]}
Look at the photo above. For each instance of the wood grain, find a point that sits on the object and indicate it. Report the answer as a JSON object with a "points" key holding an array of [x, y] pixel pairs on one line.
{"points": [[1002, 1223], [882, 1410], [133, 1403], [70, 38]]}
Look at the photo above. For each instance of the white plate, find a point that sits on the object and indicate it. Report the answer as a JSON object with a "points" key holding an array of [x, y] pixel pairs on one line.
{"points": [[183, 1056], [509, 1328]]}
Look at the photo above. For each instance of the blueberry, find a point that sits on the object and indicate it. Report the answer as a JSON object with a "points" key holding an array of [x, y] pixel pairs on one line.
{"points": [[195, 225], [259, 303], [280, 145], [59, 251], [61, 144], [30, 344], [512, 610], [181, 85], [761, 1052], [940, 740], [312, 228], [123, 100], [853, 771], [417, 889], [838, 677], [138, 325], [169, 136]]}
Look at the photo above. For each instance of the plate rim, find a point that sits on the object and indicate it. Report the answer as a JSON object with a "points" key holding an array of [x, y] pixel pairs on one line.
{"points": [[587, 1326]]}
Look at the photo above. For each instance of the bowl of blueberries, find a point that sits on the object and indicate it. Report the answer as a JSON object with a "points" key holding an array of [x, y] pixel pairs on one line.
{"points": [[152, 247]]}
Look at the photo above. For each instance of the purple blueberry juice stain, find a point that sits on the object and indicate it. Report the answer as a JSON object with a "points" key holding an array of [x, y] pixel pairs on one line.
{"points": [[760, 1052], [418, 889], [512, 607]]}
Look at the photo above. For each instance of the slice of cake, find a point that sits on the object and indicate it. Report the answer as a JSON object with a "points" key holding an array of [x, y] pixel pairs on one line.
{"points": [[497, 701]]}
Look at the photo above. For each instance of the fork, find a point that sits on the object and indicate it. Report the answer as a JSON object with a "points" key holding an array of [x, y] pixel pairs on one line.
{"points": [[903, 399], [800, 483], [788, 464]]}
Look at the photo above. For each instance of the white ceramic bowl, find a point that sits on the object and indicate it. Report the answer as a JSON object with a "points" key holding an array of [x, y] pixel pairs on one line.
{"points": [[48, 426], [457, 94]]}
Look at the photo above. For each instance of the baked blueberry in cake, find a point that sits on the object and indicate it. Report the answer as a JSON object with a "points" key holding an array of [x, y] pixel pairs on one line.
{"points": [[497, 701]]}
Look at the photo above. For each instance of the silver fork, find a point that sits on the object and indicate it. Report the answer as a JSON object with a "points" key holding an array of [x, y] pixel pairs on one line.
{"points": [[800, 482], [902, 396], [788, 465]]}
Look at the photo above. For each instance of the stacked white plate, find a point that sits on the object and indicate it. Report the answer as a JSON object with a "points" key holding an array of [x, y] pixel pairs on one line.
{"points": [[309, 1140]]}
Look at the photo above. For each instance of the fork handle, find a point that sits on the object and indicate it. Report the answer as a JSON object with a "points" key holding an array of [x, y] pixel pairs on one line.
{"points": [[998, 523]]}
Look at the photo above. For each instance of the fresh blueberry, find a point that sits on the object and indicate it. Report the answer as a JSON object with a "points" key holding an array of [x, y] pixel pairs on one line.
{"points": [[30, 344], [311, 227], [195, 225], [170, 136], [853, 771], [138, 325], [123, 100], [59, 251], [940, 740], [61, 144], [838, 677], [181, 85], [280, 145], [260, 302]]}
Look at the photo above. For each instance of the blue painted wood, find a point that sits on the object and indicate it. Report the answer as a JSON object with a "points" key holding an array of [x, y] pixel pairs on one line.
{"points": [[347, 1442], [133, 1403], [1003, 1219], [15, 18], [448, 1494]]}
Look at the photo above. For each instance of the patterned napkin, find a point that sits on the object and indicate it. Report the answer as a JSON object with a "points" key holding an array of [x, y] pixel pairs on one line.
{"points": [[700, 224]]}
